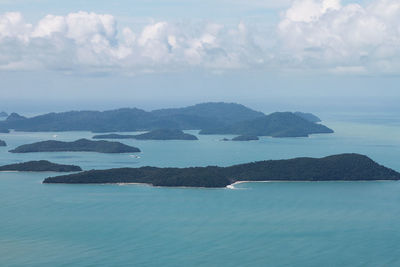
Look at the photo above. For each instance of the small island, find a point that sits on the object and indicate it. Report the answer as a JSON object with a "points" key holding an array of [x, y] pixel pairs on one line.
{"points": [[81, 145], [3, 143], [246, 138], [343, 167], [3, 114], [40, 166], [160, 134]]}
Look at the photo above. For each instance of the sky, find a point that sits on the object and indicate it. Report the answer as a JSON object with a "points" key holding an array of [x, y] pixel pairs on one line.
{"points": [[309, 55]]}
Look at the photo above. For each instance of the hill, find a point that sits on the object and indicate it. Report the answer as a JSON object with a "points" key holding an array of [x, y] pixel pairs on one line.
{"points": [[199, 116], [81, 145], [343, 167], [278, 124], [160, 134], [308, 116], [40, 166]]}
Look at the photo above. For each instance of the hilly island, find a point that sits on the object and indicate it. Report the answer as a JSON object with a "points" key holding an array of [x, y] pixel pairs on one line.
{"points": [[160, 134], [210, 118], [81, 145], [40, 166], [342, 167]]}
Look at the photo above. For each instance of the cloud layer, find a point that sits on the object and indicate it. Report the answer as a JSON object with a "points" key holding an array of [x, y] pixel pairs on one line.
{"points": [[312, 35]]}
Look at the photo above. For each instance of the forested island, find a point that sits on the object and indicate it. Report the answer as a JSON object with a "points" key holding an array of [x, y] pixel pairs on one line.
{"points": [[246, 138], [278, 124], [210, 118], [81, 145], [160, 134], [3, 143], [343, 167], [40, 166], [308, 116]]}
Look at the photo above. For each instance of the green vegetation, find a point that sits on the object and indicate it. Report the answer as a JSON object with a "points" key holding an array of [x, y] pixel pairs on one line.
{"points": [[40, 166], [343, 167], [245, 138], [161, 134], [308, 116], [210, 118], [278, 124], [132, 119], [166, 134], [114, 136], [80, 145]]}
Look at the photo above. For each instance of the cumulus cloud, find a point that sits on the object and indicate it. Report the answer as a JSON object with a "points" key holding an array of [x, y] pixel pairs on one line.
{"points": [[323, 35], [326, 34]]}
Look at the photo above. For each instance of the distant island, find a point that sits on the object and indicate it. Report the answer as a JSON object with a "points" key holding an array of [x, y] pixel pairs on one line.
{"points": [[40, 166], [246, 138], [3, 143], [210, 118], [4, 130], [308, 116], [3, 114], [160, 134], [81, 145], [278, 124], [343, 167]]}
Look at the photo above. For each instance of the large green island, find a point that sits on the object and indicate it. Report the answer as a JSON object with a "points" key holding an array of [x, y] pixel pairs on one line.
{"points": [[210, 118], [343, 167], [159, 134], [40, 166], [81, 145]]}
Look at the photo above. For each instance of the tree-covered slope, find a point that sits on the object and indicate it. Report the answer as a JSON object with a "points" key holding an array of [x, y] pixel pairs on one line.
{"points": [[343, 167], [40, 166], [81, 145], [278, 124]]}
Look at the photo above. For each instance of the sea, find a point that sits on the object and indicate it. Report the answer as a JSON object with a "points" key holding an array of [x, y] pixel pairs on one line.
{"points": [[252, 224]]}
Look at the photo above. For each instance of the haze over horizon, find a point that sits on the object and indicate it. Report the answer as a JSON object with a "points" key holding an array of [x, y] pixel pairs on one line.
{"points": [[309, 55]]}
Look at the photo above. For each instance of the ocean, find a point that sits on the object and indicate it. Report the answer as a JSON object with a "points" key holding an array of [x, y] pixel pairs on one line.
{"points": [[254, 224]]}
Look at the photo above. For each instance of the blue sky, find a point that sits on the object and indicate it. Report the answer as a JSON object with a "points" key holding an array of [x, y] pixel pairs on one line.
{"points": [[311, 55]]}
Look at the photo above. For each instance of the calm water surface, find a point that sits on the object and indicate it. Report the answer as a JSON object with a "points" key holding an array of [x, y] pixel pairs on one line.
{"points": [[257, 224]]}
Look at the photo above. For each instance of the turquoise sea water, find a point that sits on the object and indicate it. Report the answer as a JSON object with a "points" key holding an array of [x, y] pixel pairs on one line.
{"points": [[256, 224]]}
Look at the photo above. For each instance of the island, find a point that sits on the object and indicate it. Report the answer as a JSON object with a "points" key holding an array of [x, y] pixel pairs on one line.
{"points": [[245, 138], [3, 143], [81, 145], [114, 136], [210, 118], [159, 134], [278, 124], [3, 114], [308, 116], [342, 167], [166, 134], [40, 166]]}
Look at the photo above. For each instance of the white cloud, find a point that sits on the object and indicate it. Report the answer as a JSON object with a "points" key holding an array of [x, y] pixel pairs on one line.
{"points": [[326, 34], [320, 35]]}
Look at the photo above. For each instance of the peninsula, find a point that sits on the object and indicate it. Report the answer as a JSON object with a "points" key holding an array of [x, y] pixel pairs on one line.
{"points": [[40, 166], [343, 167], [81, 145], [278, 124], [160, 134]]}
